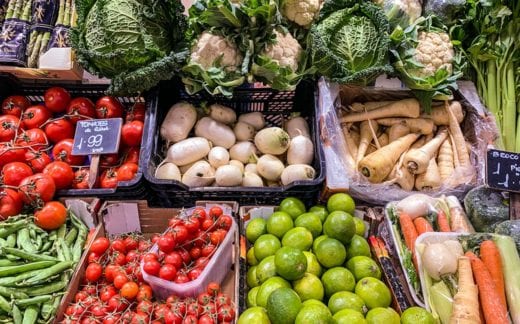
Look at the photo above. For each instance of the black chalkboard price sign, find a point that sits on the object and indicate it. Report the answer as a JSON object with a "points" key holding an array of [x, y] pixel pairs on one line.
{"points": [[503, 170], [97, 136]]}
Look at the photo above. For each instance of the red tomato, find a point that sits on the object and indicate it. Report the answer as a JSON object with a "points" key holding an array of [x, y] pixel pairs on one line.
{"points": [[167, 243], [132, 133], [62, 151], [119, 258], [109, 160], [106, 293], [80, 180], [37, 187], [180, 232], [222, 299], [117, 303], [118, 245], [130, 243], [217, 236], [131, 155], [93, 257], [213, 288], [93, 272], [108, 178], [100, 245], [112, 319], [35, 116], [56, 99], [80, 108], [8, 127], [14, 172], [145, 307], [34, 138], [204, 298], [173, 258], [225, 222], [195, 252], [75, 310], [200, 213], [226, 313], [194, 273], [190, 319], [137, 112], [185, 255], [181, 278], [206, 319], [192, 224], [152, 268], [80, 296], [51, 216], [11, 153], [10, 203], [129, 290], [120, 280], [15, 105], [150, 257], [127, 171], [208, 250], [207, 224], [201, 262], [61, 173], [143, 246], [215, 212], [37, 160], [59, 129], [145, 293], [140, 318], [193, 308], [108, 107]]}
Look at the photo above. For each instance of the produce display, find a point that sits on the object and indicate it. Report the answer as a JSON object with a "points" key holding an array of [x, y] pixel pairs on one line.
{"points": [[229, 150]]}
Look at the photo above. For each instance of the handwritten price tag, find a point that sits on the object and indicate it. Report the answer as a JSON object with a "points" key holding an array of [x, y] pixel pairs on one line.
{"points": [[98, 136], [503, 170]]}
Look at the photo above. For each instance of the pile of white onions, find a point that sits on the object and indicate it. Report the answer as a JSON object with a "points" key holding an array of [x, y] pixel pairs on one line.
{"points": [[228, 152]]}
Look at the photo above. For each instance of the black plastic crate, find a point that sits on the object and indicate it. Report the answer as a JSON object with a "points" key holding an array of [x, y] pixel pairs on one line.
{"points": [[133, 189], [276, 106]]}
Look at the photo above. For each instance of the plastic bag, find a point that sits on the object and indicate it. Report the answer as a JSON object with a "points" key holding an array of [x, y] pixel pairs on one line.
{"points": [[445, 10], [401, 12], [13, 42], [3, 9]]}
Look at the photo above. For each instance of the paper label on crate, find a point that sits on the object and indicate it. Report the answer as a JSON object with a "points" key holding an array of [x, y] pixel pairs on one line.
{"points": [[81, 210], [122, 218], [263, 212], [97, 136], [503, 170]]}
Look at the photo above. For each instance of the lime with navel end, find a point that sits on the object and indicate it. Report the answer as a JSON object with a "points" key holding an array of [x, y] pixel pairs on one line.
{"points": [[362, 266], [313, 266], [310, 221], [309, 287], [341, 201], [358, 246], [337, 279], [315, 302], [374, 292], [317, 241], [251, 296], [321, 211], [314, 314], [349, 316], [290, 263], [360, 226], [266, 269], [266, 245], [340, 225], [346, 300], [283, 305], [298, 237], [279, 223], [292, 206], [255, 228], [268, 287], [251, 278], [417, 315], [257, 315], [380, 315], [330, 252], [250, 257]]}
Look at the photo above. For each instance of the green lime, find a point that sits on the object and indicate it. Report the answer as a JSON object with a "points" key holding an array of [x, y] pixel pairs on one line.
{"points": [[346, 299], [255, 228], [360, 226], [349, 316], [314, 314], [337, 279], [340, 225], [310, 221], [250, 257], [317, 241], [417, 315], [283, 305], [268, 287], [321, 211], [330, 252], [380, 315], [314, 302], [251, 278], [358, 246], [309, 287], [313, 266], [266, 269], [374, 292], [290, 263], [362, 266], [257, 315], [266, 245], [341, 201], [251, 296], [298, 237], [279, 223], [292, 206]]}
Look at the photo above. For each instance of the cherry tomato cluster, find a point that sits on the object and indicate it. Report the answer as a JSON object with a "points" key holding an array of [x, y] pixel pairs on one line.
{"points": [[36, 143], [188, 245]]}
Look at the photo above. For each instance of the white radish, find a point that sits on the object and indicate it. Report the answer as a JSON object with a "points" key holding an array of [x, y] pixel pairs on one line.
{"points": [[228, 176], [186, 167], [218, 156], [272, 140], [269, 167], [238, 164], [167, 171], [297, 126], [250, 167], [301, 150], [222, 114], [244, 152], [201, 174], [244, 131], [188, 151], [297, 172], [252, 180], [178, 122], [218, 133], [255, 119]]}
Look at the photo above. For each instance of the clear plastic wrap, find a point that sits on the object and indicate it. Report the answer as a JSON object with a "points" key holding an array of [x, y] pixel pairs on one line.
{"points": [[478, 130], [401, 12]]}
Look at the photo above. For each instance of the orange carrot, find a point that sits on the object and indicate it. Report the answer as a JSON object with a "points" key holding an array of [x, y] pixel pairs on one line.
{"points": [[422, 225], [442, 222], [495, 311], [490, 255]]}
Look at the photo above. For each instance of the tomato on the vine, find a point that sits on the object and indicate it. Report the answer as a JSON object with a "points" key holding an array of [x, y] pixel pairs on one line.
{"points": [[8, 127], [145, 293], [181, 278], [106, 293], [35, 116], [173, 258], [62, 151], [192, 224], [119, 280], [225, 313], [37, 187], [56, 99], [217, 236], [168, 272], [180, 232], [132, 133], [80, 108], [131, 154], [145, 306], [190, 319], [215, 212], [108, 107], [136, 112], [33, 138], [61, 173], [37, 160], [93, 257], [51, 216], [131, 243], [108, 160], [129, 290], [100, 245], [194, 273], [108, 178], [167, 243], [59, 129], [225, 222], [14, 172], [206, 319], [222, 299], [127, 171], [213, 288], [152, 267], [208, 250], [10, 203], [93, 272], [117, 303], [204, 298], [11, 153], [81, 177], [15, 105]]}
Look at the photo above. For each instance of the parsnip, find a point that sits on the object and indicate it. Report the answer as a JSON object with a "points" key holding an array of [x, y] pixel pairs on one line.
{"points": [[352, 147], [368, 129], [429, 180], [402, 108], [440, 115], [382, 140], [369, 105], [416, 125], [417, 160], [465, 302], [397, 130], [445, 160]]}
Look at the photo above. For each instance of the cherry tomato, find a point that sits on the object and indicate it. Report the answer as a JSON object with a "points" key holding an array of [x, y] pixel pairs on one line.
{"points": [[201, 262], [106, 293], [34, 138], [181, 278], [35, 116], [59, 129], [93, 272], [80, 180], [143, 246], [213, 288], [109, 160], [185, 255], [130, 243], [145, 293], [200, 213], [61, 173], [131, 154], [112, 319], [204, 298], [37, 160], [62, 151], [119, 258], [145, 307], [120, 280], [129, 290], [11, 153], [192, 224], [167, 272], [14, 172], [80, 108], [180, 232], [108, 178], [56, 99], [225, 222], [117, 303], [222, 299], [217, 236], [80, 296], [93, 257], [15, 105], [173, 258], [195, 252], [127, 171], [152, 268], [8, 127], [167, 243], [215, 212], [137, 112], [190, 319], [108, 107], [75, 310], [132, 133], [150, 257], [206, 319], [207, 224], [38, 187], [194, 273], [208, 250], [100, 245], [225, 313], [11, 203]]}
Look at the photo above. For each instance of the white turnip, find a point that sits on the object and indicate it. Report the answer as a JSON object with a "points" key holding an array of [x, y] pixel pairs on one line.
{"points": [[201, 174], [178, 122], [252, 180], [238, 164], [269, 167], [188, 151], [251, 167], [222, 114], [297, 172], [272, 140], [297, 126], [168, 171], [218, 133], [301, 150], [244, 131], [218, 156], [255, 119], [244, 152], [228, 176]]}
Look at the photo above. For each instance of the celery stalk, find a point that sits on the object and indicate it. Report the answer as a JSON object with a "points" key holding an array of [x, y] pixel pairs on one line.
{"points": [[510, 266], [441, 301]]}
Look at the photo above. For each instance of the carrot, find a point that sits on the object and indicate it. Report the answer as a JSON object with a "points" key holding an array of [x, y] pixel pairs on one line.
{"points": [[445, 160], [495, 311], [409, 232], [367, 131], [376, 166], [430, 179], [442, 222], [417, 160], [397, 131], [490, 255], [465, 301], [439, 114], [402, 108], [422, 225], [416, 125]]}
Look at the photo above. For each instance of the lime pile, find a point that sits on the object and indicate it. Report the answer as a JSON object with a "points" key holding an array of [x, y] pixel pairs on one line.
{"points": [[314, 266]]}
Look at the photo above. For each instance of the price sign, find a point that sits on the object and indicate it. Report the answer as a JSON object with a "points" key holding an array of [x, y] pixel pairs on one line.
{"points": [[97, 136]]}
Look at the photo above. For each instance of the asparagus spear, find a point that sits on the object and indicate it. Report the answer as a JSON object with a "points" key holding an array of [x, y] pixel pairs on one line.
{"points": [[45, 41], [66, 15], [61, 10], [10, 9], [18, 9], [33, 58], [26, 13]]}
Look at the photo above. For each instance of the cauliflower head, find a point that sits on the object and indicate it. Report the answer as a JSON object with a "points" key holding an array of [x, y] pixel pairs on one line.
{"points": [[301, 12], [401, 11], [209, 48], [434, 51], [286, 51]]}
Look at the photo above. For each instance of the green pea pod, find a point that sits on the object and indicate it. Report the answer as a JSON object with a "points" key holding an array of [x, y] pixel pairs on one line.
{"points": [[32, 233], [24, 241], [8, 292], [17, 315], [12, 270], [33, 301], [77, 249], [4, 305], [78, 222], [46, 246], [71, 236], [45, 289], [39, 243], [11, 240], [14, 281], [47, 273], [31, 314], [25, 255], [8, 263], [62, 231], [6, 231], [48, 308]]}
